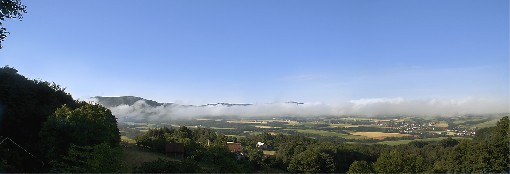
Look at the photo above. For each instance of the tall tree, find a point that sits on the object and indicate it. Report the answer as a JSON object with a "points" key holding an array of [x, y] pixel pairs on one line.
{"points": [[312, 162], [499, 146], [24, 105], [87, 125], [390, 162]]}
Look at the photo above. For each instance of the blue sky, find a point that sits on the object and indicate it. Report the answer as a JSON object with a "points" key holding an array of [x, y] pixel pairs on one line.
{"points": [[265, 51]]}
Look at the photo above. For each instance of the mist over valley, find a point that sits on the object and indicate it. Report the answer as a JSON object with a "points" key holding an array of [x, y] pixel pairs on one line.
{"points": [[130, 107]]}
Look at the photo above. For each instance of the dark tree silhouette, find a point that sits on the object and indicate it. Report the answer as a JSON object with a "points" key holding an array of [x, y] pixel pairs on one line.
{"points": [[24, 105]]}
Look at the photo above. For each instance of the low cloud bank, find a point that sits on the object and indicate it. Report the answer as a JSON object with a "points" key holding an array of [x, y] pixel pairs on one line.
{"points": [[361, 107]]}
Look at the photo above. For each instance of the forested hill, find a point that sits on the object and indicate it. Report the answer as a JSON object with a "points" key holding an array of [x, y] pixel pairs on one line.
{"points": [[125, 100], [43, 129], [110, 102]]}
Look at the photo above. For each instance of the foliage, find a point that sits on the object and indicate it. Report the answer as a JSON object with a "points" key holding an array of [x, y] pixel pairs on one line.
{"points": [[312, 162], [9, 9], [87, 125], [255, 157], [201, 144], [24, 105], [91, 159], [360, 167], [488, 152], [223, 160], [399, 162], [42, 133], [166, 166]]}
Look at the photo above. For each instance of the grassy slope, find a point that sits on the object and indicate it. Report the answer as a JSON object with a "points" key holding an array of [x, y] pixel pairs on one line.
{"points": [[134, 156]]}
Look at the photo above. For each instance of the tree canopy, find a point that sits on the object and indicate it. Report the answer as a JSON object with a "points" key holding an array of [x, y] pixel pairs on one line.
{"points": [[24, 105], [9, 9], [47, 127]]}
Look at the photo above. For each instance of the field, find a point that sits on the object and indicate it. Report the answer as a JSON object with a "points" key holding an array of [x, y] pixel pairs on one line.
{"points": [[327, 133], [320, 132], [442, 124], [398, 142], [378, 135], [127, 140], [224, 128], [246, 122], [347, 125], [486, 124], [268, 127], [269, 152], [385, 130]]}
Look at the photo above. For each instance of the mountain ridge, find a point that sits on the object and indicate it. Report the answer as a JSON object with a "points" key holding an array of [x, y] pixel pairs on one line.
{"points": [[126, 100], [130, 100]]}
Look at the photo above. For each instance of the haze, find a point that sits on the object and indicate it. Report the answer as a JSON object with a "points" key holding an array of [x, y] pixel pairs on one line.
{"points": [[140, 110]]}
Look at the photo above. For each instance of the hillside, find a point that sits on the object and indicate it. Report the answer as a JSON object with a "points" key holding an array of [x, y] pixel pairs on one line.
{"points": [[125, 100]]}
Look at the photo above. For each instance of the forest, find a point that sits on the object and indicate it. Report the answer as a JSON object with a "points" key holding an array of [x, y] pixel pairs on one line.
{"points": [[43, 129]]}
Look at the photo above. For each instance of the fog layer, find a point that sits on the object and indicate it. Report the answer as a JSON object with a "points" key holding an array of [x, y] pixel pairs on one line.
{"points": [[360, 107]]}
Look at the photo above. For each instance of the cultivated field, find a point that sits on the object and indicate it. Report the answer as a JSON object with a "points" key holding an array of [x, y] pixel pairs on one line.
{"points": [[378, 135], [327, 133], [267, 127], [342, 129], [398, 142]]}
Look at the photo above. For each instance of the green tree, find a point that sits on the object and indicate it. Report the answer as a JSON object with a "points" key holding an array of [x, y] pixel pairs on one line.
{"points": [[312, 162], [255, 156], [9, 9], [360, 167], [390, 162], [449, 142], [469, 157], [499, 149], [24, 105], [166, 166], [223, 160], [286, 152], [90, 159], [87, 125], [491, 145]]}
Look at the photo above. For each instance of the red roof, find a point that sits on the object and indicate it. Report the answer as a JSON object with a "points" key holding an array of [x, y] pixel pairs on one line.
{"points": [[234, 147]]}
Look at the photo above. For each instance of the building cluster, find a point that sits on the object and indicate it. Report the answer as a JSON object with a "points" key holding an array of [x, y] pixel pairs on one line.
{"points": [[426, 127]]}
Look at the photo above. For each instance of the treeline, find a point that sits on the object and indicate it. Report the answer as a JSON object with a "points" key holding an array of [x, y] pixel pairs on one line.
{"points": [[43, 129]]}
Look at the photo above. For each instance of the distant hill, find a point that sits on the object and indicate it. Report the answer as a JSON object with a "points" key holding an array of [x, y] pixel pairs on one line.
{"points": [[125, 100], [130, 100], [141, 109]]}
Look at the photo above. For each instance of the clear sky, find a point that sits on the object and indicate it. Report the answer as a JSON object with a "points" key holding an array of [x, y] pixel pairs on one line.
{"points": [[265, 50]]}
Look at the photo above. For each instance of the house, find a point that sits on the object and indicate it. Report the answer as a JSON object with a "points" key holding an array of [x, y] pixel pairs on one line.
{"points": [[234, 147], [261, 145], [174, 149]]}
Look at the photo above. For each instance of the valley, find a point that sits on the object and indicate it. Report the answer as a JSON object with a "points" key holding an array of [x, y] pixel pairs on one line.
{"points": [[368, 130]]}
